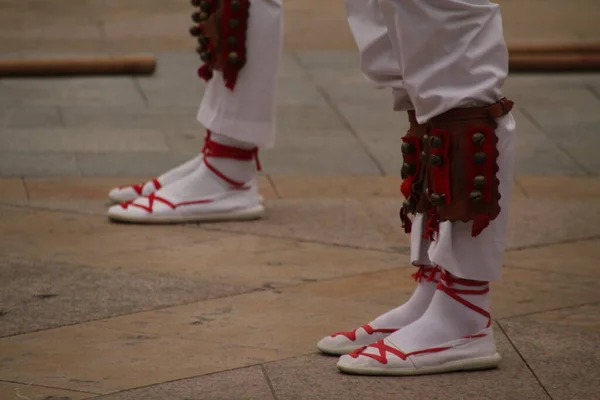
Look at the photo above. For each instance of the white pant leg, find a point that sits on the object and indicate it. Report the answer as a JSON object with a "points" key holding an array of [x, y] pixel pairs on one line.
{"points": [[453, 54], [480, 258], [439, 41], [248, 112], [378, 60]]}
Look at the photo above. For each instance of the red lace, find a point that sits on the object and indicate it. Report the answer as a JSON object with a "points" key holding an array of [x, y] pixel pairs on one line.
{"points": [[351, 335], [218, 150], [383, 349], [426, 272], [445, 282], [153, 198], [139, 187]]}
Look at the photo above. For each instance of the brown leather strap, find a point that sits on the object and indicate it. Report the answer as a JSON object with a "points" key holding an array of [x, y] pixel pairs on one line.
{"points": [[412, 118], [496, 110]]}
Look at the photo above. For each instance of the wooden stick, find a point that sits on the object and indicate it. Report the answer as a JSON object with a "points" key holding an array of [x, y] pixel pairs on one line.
{"points": [[554, 62], [125, 65]]}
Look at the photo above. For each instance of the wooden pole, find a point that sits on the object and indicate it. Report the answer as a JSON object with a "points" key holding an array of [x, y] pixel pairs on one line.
{"points": [[112, 65], [554, 62]]}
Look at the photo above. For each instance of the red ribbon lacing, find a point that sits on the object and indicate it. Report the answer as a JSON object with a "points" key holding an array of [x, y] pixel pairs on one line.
{"points": [[218, 150]]}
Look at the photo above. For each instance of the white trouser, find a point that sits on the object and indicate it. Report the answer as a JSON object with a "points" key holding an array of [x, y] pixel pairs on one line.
{"points": [[247, 113], [437, 55]]}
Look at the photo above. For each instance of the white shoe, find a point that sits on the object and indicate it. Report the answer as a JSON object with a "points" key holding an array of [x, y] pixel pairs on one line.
{"points": [[121, 194], [385, 358], [346, 342], [233, 205]]}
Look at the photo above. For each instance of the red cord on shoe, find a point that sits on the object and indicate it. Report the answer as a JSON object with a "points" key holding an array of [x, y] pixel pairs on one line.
{"points": [[447, 280], [426, 272], [351, 335], [139, 187], [218, 150]]}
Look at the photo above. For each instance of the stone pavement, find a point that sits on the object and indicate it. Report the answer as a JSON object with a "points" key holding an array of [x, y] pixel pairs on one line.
{"points": [[232, 311]]}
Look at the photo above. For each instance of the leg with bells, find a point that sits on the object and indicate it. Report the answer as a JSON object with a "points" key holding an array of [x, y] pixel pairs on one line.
{"points": [[380, 66], [454, 62], [219, 184]]}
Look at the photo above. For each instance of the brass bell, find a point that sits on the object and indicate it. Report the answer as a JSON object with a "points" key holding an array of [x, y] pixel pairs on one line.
{"points": [[204, 16], [196, 17], [424, 139], [205, 5], [407, 169], [233, 23], [479, 158], [232, 41], [236, 4], [423, 156], [196, 3], [409, 205], [478, 138], [205, 56], [195, 31], [203, 40], [233, 57], [435, 142], [476, 196], [436, 198], [200, 50], [407, 148], [479, 181], [436, 160]]}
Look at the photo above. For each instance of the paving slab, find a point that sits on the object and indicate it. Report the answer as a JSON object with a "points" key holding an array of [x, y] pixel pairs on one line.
{"points": [[578, 258], [259, 263], [62, 358], [45, 294], [75, 238], [314, 377], [129, 163], [75, 91], [34, 118], [17, 391], [12, 190], [561, 349], [239, 384], [95, 140], [28, 163]]}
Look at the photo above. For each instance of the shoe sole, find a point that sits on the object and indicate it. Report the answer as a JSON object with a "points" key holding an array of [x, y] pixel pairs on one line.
{"points": [[113, 201], [246, 214], [474, 364]]}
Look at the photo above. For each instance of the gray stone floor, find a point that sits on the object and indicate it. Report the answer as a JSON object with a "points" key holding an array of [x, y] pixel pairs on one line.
{"points": [[330, 121]]}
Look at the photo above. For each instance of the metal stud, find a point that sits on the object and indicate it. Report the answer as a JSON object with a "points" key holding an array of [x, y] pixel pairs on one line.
{"points": [[407, 170], [435, 142], [423, 156], [205, 5], [407, 148], [203, 40], [437, 198], [195, 31], [233, 57], [196, 3], [436, 160], [479, 158], [232, 41], [236, 4], [409, 205], [196, 17], [424, 139], [233, 23], [479, 181], [205, 56], [478, 138], [476, 196]]}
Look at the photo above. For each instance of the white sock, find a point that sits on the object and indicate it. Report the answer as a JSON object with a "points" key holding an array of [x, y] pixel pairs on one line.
{"points": [[415, 306], [446, 318], [203, 182], [180, 171]]}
